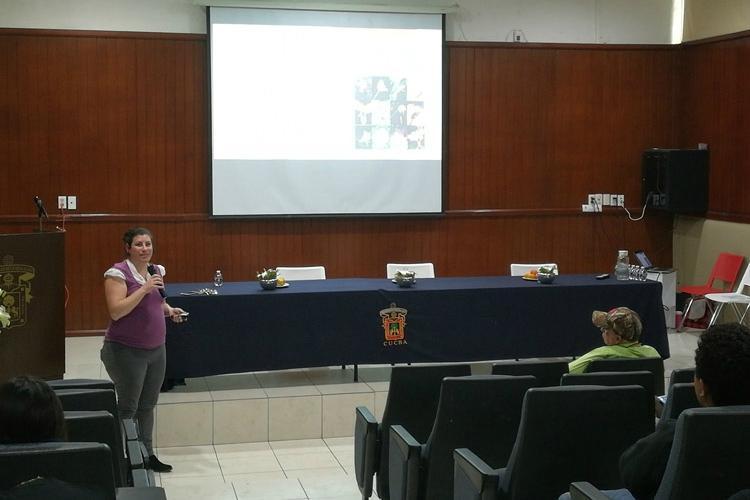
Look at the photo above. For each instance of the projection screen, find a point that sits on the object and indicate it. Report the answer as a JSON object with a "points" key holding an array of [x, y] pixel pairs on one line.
{"points": [[325, 113]]}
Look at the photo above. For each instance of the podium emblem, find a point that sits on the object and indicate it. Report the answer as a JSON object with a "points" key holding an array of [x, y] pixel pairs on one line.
{"points": [[394, 325], [15, 281]]}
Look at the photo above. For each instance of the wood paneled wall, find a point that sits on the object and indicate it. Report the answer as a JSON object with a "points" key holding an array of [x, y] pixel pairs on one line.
{"points": [[121, 121], [714, 108]]}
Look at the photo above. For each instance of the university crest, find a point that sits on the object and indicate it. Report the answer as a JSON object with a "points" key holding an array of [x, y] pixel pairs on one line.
{"points": [[394, 325], [15, 281]]}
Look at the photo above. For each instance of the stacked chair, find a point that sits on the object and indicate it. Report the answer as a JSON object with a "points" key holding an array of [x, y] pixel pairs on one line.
{"points": [[566, 433], [708, 457], [480, 412], [102, 453], [412, 402]]}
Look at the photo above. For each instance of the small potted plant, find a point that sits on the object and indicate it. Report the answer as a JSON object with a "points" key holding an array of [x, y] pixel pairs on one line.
{"points": [[267, 279]]}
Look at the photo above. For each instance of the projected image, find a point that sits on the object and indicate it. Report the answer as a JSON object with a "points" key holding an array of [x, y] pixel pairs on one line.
{"points": [[386, 116]]}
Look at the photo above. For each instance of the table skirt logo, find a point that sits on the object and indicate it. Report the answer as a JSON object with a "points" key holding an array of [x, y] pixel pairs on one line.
{"points": [[394, 325], [15, 290]]}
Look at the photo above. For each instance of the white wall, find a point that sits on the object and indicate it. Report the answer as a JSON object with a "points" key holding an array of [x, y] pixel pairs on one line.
{"points": [[707, 18], [573, 21]]}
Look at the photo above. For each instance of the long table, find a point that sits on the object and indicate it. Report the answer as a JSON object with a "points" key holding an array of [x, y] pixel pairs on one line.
{"points": [[359, 321]]}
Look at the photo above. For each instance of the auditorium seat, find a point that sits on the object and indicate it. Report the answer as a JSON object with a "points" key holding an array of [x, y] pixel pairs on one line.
{"points": [[546, 371], [85, 464], [412, 401], [703, 463], [679, 398], [479, 412], [565, 433], [644, 378], [654, 365]]}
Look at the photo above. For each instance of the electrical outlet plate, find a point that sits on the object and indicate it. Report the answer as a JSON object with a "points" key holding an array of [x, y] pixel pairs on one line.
{"points": [[62, 202], [586, 207], [72, 202], [620, 200], [607, 200]]}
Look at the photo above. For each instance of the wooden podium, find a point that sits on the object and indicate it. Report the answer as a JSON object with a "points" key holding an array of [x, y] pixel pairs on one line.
{"points": [[32, 275]]}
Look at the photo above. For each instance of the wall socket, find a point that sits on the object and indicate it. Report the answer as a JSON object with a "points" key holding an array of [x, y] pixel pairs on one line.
{"points": [[596, 201], [72, 202], [62, 202]]}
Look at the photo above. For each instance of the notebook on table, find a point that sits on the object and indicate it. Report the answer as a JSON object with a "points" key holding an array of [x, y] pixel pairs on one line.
{"points": [[646, 263]]}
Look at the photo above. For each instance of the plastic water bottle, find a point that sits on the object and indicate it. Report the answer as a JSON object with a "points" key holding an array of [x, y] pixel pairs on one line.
{"points": [[622, 267], [218, 278]]}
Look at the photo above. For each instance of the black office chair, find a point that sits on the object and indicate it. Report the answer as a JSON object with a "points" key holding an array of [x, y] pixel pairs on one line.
{"points": [[708, 457], [479, 412], [679, 398], [643, 378], [546, 371], [654, 365], [566, 432], [412, 401]]}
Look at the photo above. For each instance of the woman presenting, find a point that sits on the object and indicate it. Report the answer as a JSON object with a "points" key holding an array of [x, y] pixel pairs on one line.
{"points": [[133, 351]]}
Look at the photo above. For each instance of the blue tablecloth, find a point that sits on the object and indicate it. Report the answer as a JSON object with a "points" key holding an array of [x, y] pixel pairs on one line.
{"points": [[338, 321]]}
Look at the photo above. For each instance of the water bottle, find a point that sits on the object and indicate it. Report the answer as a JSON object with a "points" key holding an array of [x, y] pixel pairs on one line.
{"points": [[218, 278], [622, 267]]}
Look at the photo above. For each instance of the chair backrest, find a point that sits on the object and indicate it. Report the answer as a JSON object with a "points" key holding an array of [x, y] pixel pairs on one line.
{"points": [[709, 454], [88, 464], [302, 273], [682, 376], [478, 412], [572, 433], [521, 269], [744, 281], [421, 270], [679, 398], [93, 400], [644, 378], [412, 401], [546, 371], [81, 383], [654, 365], [97, 427], [726, 269]]}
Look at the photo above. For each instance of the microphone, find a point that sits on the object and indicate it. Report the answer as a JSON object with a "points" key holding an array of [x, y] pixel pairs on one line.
{"points": [[40, 207], [152, 270]]}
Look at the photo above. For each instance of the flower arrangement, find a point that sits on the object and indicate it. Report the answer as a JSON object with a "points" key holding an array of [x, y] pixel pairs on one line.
{"points": [[4, 315], [267, 274], [267, 279]]}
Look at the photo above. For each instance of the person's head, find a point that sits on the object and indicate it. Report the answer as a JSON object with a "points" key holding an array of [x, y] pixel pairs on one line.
{"points": [[30, 411], [722, 366], [618, 325], [139, 244]]}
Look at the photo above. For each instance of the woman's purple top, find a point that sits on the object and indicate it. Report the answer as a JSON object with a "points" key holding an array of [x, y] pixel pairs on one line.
{"points": [[144, 327]]}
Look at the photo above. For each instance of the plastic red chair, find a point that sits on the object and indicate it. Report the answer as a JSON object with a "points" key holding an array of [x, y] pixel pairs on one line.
{"points": [[726, 269]]}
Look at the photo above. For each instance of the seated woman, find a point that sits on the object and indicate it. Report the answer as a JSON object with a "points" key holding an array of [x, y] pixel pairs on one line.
{"points": [[30, 412], [621, 331]]}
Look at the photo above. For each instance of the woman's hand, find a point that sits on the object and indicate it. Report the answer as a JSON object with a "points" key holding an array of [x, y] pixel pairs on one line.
{"points": [[154, 281], [175, 314]]}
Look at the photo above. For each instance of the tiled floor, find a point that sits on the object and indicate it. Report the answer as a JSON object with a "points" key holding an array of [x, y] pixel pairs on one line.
{"points": [[319, 468]]}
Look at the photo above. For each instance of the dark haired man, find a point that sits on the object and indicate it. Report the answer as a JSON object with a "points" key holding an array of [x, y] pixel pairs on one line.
{"points": [[722, 378]]}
